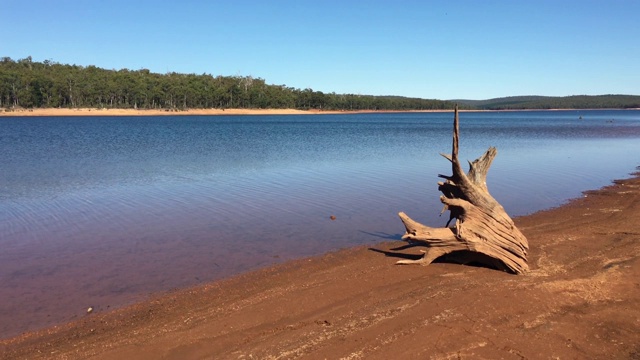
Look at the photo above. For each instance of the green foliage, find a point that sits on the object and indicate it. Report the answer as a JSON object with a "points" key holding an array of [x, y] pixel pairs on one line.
{"points": [[548, 102], [28, 84]]}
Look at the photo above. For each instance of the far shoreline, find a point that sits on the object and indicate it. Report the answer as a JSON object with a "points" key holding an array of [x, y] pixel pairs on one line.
{"points": [[52, 112], [189, 112]]}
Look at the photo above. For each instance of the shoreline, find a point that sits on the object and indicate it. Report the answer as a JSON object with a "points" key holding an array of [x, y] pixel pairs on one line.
{"points": [[581, 299], [190, 112], [212, 112]]}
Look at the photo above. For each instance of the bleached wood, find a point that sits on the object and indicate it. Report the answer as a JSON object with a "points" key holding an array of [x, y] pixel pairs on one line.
{"points": [[482, 225]]}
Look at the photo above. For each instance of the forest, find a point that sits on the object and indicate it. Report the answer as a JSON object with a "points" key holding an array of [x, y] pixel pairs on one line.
{"points": [[550, 102], [25, 83]]}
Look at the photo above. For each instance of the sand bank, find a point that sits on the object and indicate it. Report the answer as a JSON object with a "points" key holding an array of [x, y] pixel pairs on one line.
{"points": [[134, 112], [580, 300], [138, 112]]}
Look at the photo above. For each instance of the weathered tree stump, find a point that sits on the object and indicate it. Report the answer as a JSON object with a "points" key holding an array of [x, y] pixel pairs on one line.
{"points": [[482, 226]]}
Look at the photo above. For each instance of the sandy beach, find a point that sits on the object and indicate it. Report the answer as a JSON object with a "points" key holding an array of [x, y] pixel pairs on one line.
{"points": [[160, 112], [166, 112], [580, 300]]}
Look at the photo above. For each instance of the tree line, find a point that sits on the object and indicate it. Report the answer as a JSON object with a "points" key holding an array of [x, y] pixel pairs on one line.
{"points": [[550, 102], [25, 83]]}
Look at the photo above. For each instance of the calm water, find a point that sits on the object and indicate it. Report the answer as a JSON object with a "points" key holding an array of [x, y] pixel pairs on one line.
{"points": [[102, 211]]}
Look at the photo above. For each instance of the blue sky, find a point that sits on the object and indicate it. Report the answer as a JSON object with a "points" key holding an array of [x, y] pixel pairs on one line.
{"points": [[427, 49]]}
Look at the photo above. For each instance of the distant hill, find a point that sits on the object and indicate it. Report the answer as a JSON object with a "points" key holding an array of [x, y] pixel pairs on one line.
{"points": [[555, 102], [503, 101]]}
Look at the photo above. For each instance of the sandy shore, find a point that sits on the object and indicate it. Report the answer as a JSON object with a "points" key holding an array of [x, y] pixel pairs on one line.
{"points": [[581, 300], [133, 112]]}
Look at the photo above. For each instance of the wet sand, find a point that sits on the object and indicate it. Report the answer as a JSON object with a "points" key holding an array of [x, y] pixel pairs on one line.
{"points": [[580, 300]]}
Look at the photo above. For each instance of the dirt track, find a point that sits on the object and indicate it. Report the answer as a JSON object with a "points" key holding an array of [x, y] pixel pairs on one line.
{"points": [[581, 300]]}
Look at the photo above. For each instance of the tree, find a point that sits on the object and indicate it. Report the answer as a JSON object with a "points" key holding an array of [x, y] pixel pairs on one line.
{"points": [[27, 83]]}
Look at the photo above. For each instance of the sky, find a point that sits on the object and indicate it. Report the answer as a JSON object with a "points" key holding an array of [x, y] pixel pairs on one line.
{"points": [[427, 49]]}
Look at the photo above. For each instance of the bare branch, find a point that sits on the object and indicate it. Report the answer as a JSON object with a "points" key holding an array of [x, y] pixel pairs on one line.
{"points": [[482, 225]]}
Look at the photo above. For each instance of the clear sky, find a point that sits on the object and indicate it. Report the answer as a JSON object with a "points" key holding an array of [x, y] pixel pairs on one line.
{"points": [[429, 49]]}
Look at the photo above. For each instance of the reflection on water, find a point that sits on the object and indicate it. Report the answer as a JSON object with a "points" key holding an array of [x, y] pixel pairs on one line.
{"points": [[103, 211]]}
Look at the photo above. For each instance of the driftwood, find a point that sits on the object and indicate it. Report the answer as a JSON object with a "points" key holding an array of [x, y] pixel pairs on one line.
{"points": [[481, 224]]}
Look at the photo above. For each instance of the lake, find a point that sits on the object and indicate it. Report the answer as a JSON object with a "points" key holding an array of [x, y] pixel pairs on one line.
{"points": [[104, 211]]}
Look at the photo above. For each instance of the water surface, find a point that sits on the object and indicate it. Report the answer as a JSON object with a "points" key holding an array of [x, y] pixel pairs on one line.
{"points": [[103, 211]]}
